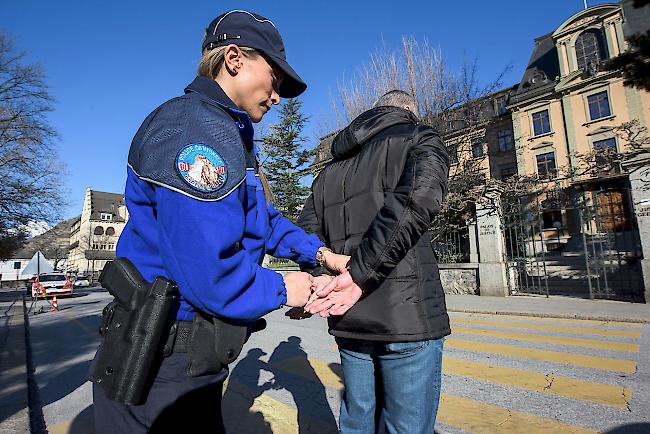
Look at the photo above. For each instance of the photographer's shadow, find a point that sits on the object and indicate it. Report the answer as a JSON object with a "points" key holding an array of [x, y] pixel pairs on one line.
{"points": [[293, 372], [240, 395]]}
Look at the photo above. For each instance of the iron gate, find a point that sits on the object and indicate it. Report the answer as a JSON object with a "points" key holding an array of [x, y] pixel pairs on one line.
{"points": [[575, 242]]}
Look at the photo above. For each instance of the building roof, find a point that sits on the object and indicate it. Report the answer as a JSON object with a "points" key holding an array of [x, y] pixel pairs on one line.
{"points": [[542, 70], [103, 202]]}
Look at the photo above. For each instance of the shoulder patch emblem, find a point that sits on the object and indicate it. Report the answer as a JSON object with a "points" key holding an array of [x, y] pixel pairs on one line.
{"points": [[202, 167]]}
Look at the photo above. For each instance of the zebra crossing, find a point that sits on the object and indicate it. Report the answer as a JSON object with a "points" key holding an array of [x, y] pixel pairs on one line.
{"points": [[501, 374]]}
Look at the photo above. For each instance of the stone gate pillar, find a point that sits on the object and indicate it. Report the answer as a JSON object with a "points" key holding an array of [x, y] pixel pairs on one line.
{"points": [[492, 269], [639, 170]]}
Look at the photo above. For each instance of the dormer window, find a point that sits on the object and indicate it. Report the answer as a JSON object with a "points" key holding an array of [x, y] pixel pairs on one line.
{"points": [[500, 105], [590, 48], [105, 216], [477, 149]]}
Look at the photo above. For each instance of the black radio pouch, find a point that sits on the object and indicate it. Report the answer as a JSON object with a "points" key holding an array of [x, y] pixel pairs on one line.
{"points": [[213, 344], [135, 327]]}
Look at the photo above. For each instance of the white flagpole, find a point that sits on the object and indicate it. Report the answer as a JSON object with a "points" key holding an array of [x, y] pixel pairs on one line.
{"points": [[585, 4]]}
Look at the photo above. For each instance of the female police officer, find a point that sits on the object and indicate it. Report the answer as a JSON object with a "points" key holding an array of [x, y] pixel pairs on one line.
{"points": [[198, 215]]}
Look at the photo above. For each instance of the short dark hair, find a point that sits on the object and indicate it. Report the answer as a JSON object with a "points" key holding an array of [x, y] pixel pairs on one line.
{"points": [[397, 98]]}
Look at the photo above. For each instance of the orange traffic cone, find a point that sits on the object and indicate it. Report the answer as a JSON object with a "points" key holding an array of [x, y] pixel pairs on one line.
{"points": [[55, 305]]}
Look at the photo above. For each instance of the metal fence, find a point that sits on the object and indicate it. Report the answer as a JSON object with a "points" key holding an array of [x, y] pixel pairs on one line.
{"points": [[581, 242], [451, 245]]}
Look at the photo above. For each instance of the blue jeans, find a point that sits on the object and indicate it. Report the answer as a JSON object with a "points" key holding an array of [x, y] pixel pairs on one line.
{"points": [[400, 380]]}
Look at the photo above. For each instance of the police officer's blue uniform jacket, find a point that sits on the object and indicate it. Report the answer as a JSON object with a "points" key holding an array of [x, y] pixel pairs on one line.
{"points": [[197, 212]]}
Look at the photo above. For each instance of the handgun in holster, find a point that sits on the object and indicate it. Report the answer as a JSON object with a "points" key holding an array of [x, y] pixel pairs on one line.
{"points": [[135, 327]]}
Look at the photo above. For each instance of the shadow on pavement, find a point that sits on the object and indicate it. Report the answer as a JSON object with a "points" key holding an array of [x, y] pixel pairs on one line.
{"points": [[13, 387], [62, 351], [309, 394], [241, 393], [83, 423], [632, 428], [292, 372]]}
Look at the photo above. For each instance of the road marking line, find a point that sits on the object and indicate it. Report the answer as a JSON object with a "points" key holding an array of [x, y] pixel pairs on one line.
{"points": [[475, 416], [83, 423], [550, 319], [466, 414], [566, 329], [603, 363], [613, 396], [555, 340], [81, 325]]}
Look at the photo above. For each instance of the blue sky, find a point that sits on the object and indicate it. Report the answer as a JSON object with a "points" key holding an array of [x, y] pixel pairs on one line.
{"points": [[109, 63]]}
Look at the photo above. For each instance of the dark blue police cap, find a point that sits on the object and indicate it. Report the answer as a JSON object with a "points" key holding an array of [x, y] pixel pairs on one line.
{"points": [[251, 30]]}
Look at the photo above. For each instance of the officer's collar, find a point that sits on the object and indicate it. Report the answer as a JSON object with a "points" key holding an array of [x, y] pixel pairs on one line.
{"points": [[211, 89]]}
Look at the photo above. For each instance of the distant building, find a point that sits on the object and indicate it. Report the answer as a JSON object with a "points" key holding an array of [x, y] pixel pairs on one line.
{"points": [[94, 234]]}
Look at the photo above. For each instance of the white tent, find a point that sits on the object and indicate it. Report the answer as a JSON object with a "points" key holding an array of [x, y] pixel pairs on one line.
{"points": [[38, 264]]}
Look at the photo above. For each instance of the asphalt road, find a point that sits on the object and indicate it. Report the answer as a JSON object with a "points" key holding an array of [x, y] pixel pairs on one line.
{"points": [[501, 374]]}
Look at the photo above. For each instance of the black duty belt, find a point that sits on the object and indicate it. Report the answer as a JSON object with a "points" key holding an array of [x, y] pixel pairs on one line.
{"points": [[178, 339]]}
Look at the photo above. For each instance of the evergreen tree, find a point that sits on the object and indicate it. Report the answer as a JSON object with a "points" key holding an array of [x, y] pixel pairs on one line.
{"points": [[285, 159]]}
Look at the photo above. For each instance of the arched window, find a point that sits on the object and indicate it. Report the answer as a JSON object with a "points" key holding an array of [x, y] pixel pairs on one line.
{"points": [[590, 47], [110, 231], [99, 230]]}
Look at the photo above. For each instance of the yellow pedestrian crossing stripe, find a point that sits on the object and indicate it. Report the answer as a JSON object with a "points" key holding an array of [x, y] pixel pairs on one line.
{"points": [[475, 416], [604, 363], [550, 339], [613, 396], [566, 329], [472, 415], [546, 320], [454, 410]]}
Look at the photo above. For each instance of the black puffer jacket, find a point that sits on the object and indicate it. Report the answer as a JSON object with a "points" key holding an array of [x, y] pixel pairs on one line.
{"points": [[375, 202]]}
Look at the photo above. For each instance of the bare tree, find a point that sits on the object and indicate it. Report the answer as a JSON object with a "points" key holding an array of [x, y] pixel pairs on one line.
{"points": [[452, 101], [29, 168]]}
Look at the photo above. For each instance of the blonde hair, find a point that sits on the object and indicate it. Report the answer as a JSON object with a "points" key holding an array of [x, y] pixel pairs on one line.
{"points": [[211, 63], [212, 60]]}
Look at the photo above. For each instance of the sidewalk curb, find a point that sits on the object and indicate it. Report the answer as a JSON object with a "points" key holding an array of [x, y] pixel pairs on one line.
{"points": [[13, 372], [553, 315]]}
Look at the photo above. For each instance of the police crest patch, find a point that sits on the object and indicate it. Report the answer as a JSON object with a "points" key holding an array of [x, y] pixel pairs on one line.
{"points": [[202, 167]]}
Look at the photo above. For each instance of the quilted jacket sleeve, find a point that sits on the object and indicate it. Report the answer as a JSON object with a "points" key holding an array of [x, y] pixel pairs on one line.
{"points": [[407, 213]]}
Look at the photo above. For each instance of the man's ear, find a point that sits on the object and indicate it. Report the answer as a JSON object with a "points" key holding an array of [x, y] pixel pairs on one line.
{"points": [[232, 58]]}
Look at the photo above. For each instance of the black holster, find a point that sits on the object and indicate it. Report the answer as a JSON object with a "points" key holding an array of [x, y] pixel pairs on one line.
{"points": [[135, 327]]}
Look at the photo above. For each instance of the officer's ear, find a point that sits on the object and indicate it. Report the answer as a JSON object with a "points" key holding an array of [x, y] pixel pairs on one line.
{"points": [[232, 59]]}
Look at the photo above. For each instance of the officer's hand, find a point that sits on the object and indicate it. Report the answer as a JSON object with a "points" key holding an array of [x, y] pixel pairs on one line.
{"points": [[298, 286], [336, 298], [334, 262]]}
